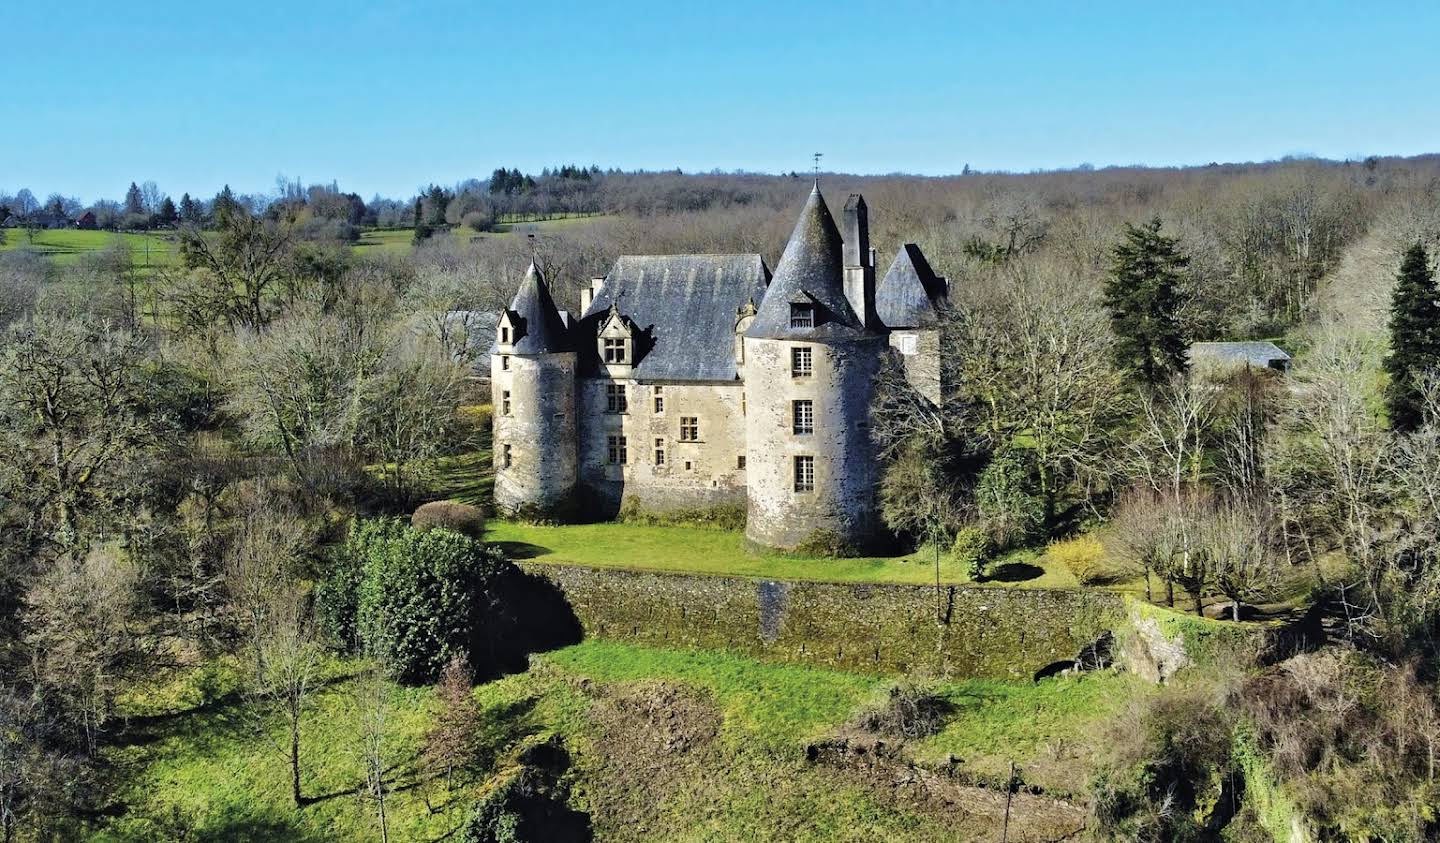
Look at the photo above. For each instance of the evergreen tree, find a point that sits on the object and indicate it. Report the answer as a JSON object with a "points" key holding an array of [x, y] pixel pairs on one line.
{"points": [[1144, 296], [189, 210], [167, 215], [1414, 339], [225, 205], [134, 200]]}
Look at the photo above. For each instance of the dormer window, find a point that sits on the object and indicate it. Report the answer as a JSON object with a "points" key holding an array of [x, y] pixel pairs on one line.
{"points": [[504, 335], [614, 349], [802, 315]]}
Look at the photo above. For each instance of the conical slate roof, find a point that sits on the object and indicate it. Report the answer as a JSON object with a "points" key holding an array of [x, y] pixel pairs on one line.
{"points": [[810, 271], [911, 294], [541, 330]]}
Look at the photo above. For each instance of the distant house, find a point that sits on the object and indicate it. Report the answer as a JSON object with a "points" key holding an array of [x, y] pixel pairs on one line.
{"points": [[86, 221], [1223, 356]]}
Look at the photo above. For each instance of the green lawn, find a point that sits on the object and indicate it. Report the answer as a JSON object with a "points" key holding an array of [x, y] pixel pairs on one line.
{"points": [[210, 766], [402, 240], [66, 245], [700, 550]]}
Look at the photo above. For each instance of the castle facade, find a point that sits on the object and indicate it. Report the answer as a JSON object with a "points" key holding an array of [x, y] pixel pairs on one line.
{"points": [[690, 381]]}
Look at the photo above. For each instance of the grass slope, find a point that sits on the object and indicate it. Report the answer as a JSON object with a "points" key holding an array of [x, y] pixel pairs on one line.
{"points": [[701, 550], [199, 760], [66, 245]]}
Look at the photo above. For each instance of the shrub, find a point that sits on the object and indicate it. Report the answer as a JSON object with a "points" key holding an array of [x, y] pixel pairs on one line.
{"points": [[725, 516], [1084, 556], [450, 515], [414, 599], [971, 550], [909, 710]]}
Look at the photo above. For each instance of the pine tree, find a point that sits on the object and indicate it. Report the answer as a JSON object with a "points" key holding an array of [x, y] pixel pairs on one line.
{"points": [[134, 200], [167, 215], [189, 210], [1414, 339], [1144, 294]]}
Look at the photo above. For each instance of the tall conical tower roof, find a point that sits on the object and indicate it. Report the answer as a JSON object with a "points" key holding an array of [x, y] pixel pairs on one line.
{"points": [[541, 330], [811, 270]]}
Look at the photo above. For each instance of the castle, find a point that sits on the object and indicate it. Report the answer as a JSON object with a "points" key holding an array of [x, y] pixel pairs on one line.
{"points": [[698, 380]]}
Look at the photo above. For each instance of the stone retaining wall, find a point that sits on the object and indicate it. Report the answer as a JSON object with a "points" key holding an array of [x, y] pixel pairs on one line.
{"points": [[989, 632]]}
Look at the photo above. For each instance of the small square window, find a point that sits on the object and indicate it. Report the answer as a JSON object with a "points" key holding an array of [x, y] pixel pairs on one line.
{"points": [[804, 474], [659, 399], [688, 465], [615, 399], [505, 403], [615, 450], [504, 362], [802, 315], [505, 456], [614, 349], [909, 344], [801, 362], [689, 429], [740, 462], [803, 416], [659, 451]]}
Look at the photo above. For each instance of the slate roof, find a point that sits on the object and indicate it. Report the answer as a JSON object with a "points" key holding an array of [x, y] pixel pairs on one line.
{"points": [[1259, 354], [541, 328], [910, 295], [810, 270], [683, 308]]}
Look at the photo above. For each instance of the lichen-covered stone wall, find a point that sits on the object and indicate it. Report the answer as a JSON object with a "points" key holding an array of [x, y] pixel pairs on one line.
{"points": [[997, 633], [706, 472], [539, 430], [841, 509]]}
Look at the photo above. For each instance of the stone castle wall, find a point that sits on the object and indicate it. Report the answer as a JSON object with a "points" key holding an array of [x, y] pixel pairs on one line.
{"points": [[842, 505], [997, 633], [695, 474], [539, 430]]}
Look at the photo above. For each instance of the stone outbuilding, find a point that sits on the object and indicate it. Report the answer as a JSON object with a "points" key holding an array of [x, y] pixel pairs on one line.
{"points": [[694, 381]]}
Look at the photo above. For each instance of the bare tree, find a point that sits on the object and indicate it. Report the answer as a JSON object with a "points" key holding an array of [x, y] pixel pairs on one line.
{"points": [[1168, 449], [372, 703], [290, 651], [1236, 540]]}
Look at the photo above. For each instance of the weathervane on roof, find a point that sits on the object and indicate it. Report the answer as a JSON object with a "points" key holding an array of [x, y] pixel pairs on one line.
{"points": [[817, 156]]}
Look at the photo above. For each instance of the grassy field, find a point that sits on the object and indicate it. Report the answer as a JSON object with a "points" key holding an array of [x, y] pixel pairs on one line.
{"points": [[665, 744], [402, 240], [66, 245], [701, 550]]}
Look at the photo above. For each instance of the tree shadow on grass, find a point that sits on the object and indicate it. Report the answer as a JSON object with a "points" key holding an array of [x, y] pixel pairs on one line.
{"points": [[521, 550], [1016, 572]]}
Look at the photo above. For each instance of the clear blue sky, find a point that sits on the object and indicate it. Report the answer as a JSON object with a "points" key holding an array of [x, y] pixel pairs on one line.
{"points": [[387, 97]]}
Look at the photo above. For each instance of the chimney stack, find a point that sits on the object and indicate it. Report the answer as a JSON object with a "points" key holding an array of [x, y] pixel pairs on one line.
{"points": [[859, 261]]}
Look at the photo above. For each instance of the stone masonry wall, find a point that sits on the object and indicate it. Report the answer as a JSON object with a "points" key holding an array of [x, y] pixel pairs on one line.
{"points": [[842, 503], [539, 430], [695, 474], [996, 633]]}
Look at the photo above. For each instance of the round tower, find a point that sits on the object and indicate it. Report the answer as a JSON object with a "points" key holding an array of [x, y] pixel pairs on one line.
{"points": [[811, 358], [532, 377]]}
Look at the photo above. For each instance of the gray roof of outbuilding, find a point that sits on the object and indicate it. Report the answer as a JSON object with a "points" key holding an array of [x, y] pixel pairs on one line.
{"points": [[541, 328], [910, 295], [1257, 353], [811, 270], [683, 308]]}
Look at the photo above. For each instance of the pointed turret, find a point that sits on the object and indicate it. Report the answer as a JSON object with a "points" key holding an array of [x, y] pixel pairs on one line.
{"points": [[532, 381], [811, 273], [539, 329]]}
